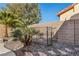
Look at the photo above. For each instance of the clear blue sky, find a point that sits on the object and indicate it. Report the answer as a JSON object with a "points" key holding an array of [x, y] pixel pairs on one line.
{"points": [[48, 11]]}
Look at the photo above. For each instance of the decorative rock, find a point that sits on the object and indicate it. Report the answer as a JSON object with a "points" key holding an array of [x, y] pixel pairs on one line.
{"points": [[52, 52], [67, 49], [62, 52], [13, 45], [77, 49], [42, 54], [28, 54]]}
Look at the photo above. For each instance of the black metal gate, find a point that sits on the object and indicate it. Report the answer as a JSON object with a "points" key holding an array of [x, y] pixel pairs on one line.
{"points": [[44, 36]]}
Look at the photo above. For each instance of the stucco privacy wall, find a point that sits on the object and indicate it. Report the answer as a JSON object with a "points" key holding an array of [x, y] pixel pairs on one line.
{"points": [[43, 27], [2, 30], [67, 15], [69, 32]]}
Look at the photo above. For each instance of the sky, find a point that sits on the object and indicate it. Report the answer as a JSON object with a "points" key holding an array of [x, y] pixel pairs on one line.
{"points": [[48, 11]]}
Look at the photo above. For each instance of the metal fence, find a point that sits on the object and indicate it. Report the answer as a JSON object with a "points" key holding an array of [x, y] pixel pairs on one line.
{"points": [[44, 35], [67, 33]]}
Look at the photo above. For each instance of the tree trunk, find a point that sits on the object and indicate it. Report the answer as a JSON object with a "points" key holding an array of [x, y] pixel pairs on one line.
{"points": [[28, 40], [6, 31], [6, 34]]}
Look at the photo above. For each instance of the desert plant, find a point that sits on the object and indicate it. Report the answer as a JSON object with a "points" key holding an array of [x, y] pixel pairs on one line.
{"points": [[16, 34], [25, 14], [7, 19]]}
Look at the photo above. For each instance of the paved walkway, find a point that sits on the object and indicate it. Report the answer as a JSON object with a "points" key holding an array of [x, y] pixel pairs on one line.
{"points": [[4, 51], [10, 53]]}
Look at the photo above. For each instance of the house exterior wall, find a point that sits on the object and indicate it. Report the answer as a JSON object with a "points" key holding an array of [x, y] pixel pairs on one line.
{"points": [[67, 15], [76, 8]]}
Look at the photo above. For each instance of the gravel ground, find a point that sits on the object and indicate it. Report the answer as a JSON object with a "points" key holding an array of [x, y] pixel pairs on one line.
{"points": [[42, 50]]}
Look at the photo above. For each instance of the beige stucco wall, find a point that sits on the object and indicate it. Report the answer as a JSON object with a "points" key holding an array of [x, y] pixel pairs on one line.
{"points": [[2, 30], [67, 15]]}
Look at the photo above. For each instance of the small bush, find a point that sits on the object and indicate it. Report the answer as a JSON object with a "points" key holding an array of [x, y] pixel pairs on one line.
{"points": [[16, 34]]}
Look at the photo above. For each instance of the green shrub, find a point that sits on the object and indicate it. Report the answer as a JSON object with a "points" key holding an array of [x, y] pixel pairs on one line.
{"points": [[17, 34]]}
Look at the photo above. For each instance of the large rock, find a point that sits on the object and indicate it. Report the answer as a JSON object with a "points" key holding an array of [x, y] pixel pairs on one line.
{"points": [[13, 45]]}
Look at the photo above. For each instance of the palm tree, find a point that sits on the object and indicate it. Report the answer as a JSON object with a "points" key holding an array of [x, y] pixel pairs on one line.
{"points": [[7, 19]]}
